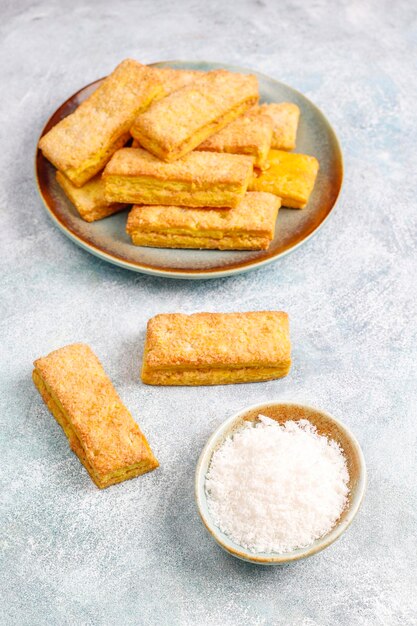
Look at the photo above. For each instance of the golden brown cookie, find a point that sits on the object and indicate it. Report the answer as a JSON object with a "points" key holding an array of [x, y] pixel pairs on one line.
{"points": [[173, 79], [177, 124], [288, 175], [284, 117], [205, 179], [89, 200], [250, 134], [216, 348], [81, 144], [249, 226], [100, 429]]}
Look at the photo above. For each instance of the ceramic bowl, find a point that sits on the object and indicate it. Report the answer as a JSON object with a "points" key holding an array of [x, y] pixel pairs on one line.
{"points": [[326, 425]]}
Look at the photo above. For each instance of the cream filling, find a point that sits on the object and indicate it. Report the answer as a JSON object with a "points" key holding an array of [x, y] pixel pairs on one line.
{"points": [[213, 376], [131, 183], [185, 240], [147, 190], [189, 232]]}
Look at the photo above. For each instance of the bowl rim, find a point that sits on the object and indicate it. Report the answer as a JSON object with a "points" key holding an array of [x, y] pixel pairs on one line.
{"points": [[277, 559]]}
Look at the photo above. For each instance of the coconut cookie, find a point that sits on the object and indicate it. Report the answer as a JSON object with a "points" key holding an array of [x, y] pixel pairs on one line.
{"points": [[100, 429], [216, 348]]}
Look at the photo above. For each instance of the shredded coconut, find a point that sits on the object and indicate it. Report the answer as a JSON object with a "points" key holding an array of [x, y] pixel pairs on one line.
{"points": [[276, 488]]}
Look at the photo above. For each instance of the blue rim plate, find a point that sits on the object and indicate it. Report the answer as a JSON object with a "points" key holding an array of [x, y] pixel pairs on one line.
{"points": [[108, 240]]}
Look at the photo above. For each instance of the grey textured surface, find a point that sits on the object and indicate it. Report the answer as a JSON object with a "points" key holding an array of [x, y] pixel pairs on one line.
{"points": [[137, 553]]}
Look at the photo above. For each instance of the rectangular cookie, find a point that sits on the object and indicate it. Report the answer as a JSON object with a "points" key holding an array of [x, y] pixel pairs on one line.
{"points": [[81, 144], [89, 200], [249, 226], [216, 348], [173, 79], [250, 134], [178, 123], [100, 429], [284, 117], [288, 175], [205, 179]]}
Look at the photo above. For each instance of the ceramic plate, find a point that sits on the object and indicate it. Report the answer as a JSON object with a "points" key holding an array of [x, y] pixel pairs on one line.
{"points": [[107, 238]]}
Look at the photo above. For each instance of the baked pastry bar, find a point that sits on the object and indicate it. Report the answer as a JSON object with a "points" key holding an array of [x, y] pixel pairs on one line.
{"points": [[206, 179], [285, 117], [288, 175], [178, 123], [173, 79], [81, 144], [216, 348], [250, 226], [89, 200], [249, 134], [100, 429]]}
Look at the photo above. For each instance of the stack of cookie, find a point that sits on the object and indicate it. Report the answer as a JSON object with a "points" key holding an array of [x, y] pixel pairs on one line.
{"points": [[208, 167]]}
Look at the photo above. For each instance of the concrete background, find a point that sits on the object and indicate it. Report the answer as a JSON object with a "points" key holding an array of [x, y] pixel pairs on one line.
{"points": [[137, 553]]}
